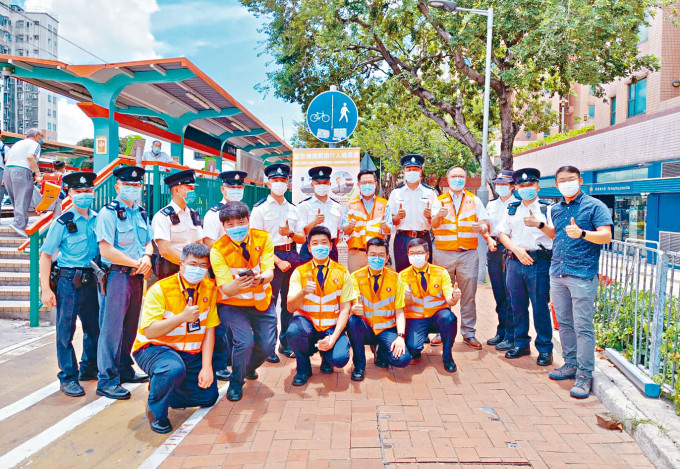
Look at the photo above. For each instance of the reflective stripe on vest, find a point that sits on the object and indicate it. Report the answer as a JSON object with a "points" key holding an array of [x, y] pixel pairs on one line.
{"points": [[425, 304], [379, 307], [368, 225], [258, 296], [179, 338], [455, 231], [322, 307]]}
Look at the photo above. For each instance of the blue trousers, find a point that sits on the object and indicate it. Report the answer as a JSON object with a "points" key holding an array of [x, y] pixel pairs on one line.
{"points": [[497, 274], [306, 256], [72, 303], [401, 250], [443, 321], [223, 346], [174, 379], [280, 286], [302, 338], [530, 283], [118, 323], [254, 336], [361, 334]]}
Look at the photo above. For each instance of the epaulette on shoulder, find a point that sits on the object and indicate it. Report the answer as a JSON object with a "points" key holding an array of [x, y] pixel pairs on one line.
{"points": [[260, 202], [425, 185], [400, 185], [216, 208], [65, 218], [113, 205], [545, 202], [333, 200], [308, 198], [168, 211], [512, 207]]}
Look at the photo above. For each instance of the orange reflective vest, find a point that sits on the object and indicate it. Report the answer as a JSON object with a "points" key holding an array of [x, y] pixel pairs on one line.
{"points": [[53, 178], [258, 296], [380, 311], [322, 307], [180, 338], [455, 231], [368, 225], [425, 303]]}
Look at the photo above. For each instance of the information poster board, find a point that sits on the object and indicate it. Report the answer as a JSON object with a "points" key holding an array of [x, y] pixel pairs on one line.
{"points": [[345, 163]]}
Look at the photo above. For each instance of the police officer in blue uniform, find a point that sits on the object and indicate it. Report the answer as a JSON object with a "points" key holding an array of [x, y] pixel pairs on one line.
{"points": [[124, 237], [76, 287]]}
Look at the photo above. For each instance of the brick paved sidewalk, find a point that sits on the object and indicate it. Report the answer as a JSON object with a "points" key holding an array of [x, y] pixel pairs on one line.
{"points": [[492, 413]]}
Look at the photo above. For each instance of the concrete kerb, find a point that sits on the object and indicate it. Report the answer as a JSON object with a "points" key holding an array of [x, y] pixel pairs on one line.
{"points": [[651, 422]]}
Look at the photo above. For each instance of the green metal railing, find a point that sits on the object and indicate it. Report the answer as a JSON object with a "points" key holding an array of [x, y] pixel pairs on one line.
{"points": [[155, 196]]}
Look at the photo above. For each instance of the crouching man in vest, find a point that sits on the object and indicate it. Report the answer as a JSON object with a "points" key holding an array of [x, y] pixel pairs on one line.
{"points": [[428, 294], [378, 314], [243, 262], [321, 295], [175, 339]]}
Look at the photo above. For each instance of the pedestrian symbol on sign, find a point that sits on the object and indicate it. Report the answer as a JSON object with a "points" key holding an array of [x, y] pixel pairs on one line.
{"points": [[343, 113]]}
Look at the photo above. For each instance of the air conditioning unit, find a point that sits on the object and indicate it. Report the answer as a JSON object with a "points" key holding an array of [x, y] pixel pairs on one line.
{"points": [[670, 169], [669, 241]]}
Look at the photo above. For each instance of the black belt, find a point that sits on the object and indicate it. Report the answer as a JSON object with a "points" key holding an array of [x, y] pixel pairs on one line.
{"points": [[535, 254], [122, 269], [70, 272], [285, 247], [414, 234]]}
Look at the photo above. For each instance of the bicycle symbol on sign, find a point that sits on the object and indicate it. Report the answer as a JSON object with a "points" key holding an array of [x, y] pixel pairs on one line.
{"points": [[320, 116]]}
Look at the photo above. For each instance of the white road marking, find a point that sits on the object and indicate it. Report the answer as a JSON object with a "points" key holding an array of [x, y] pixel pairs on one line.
{"points": [[18, 349], [28, 401], [163, 451], [38, 442]]}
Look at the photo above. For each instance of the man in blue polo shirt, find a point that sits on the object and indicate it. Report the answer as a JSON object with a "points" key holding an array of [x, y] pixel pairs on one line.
{"points": [[582, 224]]}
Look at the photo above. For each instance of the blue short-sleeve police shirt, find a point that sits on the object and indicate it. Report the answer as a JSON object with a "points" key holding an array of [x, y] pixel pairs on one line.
{"points": [[75, 249], [129, 235], [577, 257]]}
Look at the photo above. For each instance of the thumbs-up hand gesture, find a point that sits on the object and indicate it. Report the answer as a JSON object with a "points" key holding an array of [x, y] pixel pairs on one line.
{"points": [[285, 229], [401, 213], [310, 286], [320, 218], [358, 309], [573, 230], [531, 220], [428, 211], [443, 211], [190, 313], [352, 222], [408, 294], [457, 294]]}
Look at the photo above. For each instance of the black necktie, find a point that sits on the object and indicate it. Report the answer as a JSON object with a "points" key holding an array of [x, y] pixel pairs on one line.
{"points": [[246, 254], [319, 275], [375, 283], [423, 280], [190, 293]]}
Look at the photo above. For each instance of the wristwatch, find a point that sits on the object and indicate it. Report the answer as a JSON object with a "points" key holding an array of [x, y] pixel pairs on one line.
{"points": [[400, 334], [583, 233], [541, 225]]}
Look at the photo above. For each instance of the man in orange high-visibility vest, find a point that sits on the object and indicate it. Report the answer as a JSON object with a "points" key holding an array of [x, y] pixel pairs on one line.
{"points": [[175, 339], [321, 295]]}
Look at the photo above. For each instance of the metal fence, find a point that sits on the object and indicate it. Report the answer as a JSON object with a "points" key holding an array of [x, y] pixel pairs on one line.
{"points": [[637, 306]]}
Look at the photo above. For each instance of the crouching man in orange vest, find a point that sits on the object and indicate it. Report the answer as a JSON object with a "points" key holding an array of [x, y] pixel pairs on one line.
{"points": [[378, 314], [175, 339], [243, 262], [321, 295], [428, 293]]}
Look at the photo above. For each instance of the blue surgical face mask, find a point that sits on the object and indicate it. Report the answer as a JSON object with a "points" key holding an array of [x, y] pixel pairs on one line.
{"points": [[367, 189], [527, 193], [234, 194], [194, 274], [156, 151], [130, 193], [40, 142], [456, 183], [238, 233], [320, 252], [376, 263], [412, 176], [190, 198], [83, 199], [503, 190]]}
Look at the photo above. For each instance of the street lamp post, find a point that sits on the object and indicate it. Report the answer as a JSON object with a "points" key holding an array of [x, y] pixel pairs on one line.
{"points": [[452, 7]]}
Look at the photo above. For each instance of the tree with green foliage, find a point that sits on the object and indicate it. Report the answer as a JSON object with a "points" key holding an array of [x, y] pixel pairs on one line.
{"points": [[540, 47]]}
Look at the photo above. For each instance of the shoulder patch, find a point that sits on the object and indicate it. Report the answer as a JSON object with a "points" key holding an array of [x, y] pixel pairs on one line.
{"points": [[168, 211], [216, 208], [260, 202], [113, 205], [65, 218], [512, 207]]}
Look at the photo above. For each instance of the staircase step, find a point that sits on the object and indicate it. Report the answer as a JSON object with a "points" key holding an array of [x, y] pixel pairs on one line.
{"points": [[16, 309], [13, 241], [15, 265], [14, 278], [12, 253], [15, 292]]}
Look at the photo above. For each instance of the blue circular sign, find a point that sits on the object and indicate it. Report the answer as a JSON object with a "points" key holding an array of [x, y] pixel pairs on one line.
{"points": [[332, 116]]}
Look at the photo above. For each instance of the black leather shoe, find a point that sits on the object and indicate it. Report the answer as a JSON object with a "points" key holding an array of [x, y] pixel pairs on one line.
{"points": [[72, 388], [504, 345], [544, 359], [158, 425], [450, 366], [381, 364], [300, 379], [87, 376], [358, 374], [273, 358], [287, 351], [116, 392], [416, 355], [326, 368], [136, 378], [223, 375], [495, 340], [517, 352], [252, 375], [235, 391]]}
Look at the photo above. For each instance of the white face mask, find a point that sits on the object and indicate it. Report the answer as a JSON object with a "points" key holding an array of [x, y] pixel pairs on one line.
{"points": [[279, 188], [569, 188], [417, 260], [412, 176], [322, 189], [235, 194]]}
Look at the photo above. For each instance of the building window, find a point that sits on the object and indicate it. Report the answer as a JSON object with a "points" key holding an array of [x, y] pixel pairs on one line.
{"points": [[618, 175], [49, 113], [49, 41], [637, 98], [643, 30], [612, 116], [54, 127], [49, 126], [49, 98], [591, 112], [528, 134]]}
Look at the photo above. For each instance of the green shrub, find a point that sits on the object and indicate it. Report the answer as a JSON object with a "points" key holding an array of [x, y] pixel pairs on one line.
{"points": [[553, 138]]}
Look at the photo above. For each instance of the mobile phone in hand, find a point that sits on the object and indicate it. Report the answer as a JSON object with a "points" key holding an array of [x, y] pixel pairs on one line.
{"points": [[246, 273]]}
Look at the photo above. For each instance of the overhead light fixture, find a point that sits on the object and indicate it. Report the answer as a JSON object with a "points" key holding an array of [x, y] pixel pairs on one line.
{"points": [[675, 83], [197, 100], [446, 6]]}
